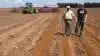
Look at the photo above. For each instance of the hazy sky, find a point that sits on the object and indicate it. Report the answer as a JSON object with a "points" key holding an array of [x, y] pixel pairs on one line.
{"points": [[12, 3]]}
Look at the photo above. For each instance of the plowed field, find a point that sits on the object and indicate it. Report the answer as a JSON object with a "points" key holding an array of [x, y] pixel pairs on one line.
{"points": [[42, 35]]}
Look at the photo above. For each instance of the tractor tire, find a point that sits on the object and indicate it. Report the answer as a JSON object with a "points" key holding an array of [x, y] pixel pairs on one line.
{"points": [[25, 12]]}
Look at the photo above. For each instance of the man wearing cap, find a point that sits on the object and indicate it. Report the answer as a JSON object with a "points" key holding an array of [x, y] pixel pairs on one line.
{"points": [[68, 16], [81, 18]]}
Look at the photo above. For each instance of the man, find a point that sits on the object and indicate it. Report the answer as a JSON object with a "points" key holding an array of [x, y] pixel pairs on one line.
{"points": [[81, 18], [68, 16]]}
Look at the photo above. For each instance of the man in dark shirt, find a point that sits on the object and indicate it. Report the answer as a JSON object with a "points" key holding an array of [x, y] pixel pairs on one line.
{"points": [[81, 18]]}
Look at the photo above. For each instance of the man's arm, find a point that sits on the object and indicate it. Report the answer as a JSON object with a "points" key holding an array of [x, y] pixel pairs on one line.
{"points": [[74, 16], [77, 14], [63, 16], [85, 15]]}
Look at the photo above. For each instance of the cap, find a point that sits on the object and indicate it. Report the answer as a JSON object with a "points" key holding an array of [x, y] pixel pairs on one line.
{"points": [[67, 6]]}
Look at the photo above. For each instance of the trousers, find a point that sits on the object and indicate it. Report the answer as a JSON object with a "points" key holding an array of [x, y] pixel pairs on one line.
{"points": [[68, 23], [79, 27]]}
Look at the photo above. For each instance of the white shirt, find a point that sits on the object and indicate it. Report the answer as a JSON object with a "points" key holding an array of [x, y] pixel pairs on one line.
{"points": [[69, 14]]}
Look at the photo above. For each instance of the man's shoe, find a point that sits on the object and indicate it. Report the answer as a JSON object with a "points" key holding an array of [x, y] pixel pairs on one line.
{"points": [[80, 35], [67, 35], [76, 34]]}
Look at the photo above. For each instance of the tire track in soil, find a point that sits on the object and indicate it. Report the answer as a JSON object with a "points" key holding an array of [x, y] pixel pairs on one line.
{"points": [[70, 47], [90, 42], [30, 46], [24, 34], [53, 50], [90, 45], [92, 37], [78, 47], [15, 25], [44, 43], [87, 45], [60, 45], [93, 34], [17, 30], [63, 46]]}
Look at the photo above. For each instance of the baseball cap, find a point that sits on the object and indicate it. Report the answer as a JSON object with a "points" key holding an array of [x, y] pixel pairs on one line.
{"points": [[68, 7]]}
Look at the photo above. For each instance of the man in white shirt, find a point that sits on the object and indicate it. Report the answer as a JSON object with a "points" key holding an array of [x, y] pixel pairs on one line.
{"points": [[68, 16]]}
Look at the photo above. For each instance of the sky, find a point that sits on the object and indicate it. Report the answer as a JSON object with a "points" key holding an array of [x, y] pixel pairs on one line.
{"points": [[17, 3]]}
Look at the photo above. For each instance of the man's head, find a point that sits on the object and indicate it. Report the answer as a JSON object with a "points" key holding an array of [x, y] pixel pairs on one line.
{"points": [[81, 6], [68, 7]]}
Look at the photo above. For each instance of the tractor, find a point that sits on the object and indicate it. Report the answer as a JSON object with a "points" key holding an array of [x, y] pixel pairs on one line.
{"points": [[29, 9]]}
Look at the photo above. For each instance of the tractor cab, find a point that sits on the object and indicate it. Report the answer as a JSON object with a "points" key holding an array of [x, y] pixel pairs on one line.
{"points": [[29, 9]]}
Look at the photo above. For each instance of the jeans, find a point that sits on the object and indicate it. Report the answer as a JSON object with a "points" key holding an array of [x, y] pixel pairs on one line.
{"points": [[79, 27]]}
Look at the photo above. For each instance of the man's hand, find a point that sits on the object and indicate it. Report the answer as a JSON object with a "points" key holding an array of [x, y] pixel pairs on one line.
{"points": [[63, 17], [75, 18]]}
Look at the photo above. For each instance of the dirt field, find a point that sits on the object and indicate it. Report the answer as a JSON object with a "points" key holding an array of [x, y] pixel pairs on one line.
{"points": [[34, 35]]}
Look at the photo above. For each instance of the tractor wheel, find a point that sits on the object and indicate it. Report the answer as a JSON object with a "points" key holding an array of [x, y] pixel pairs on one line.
{"points": [[25, 12]]}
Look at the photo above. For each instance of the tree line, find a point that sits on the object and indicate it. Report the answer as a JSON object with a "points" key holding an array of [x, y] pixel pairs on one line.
{"points": [[75, 5]]}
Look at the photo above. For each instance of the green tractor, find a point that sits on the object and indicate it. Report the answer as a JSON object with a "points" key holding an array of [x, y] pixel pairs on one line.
{"points": [[29, 9]]}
